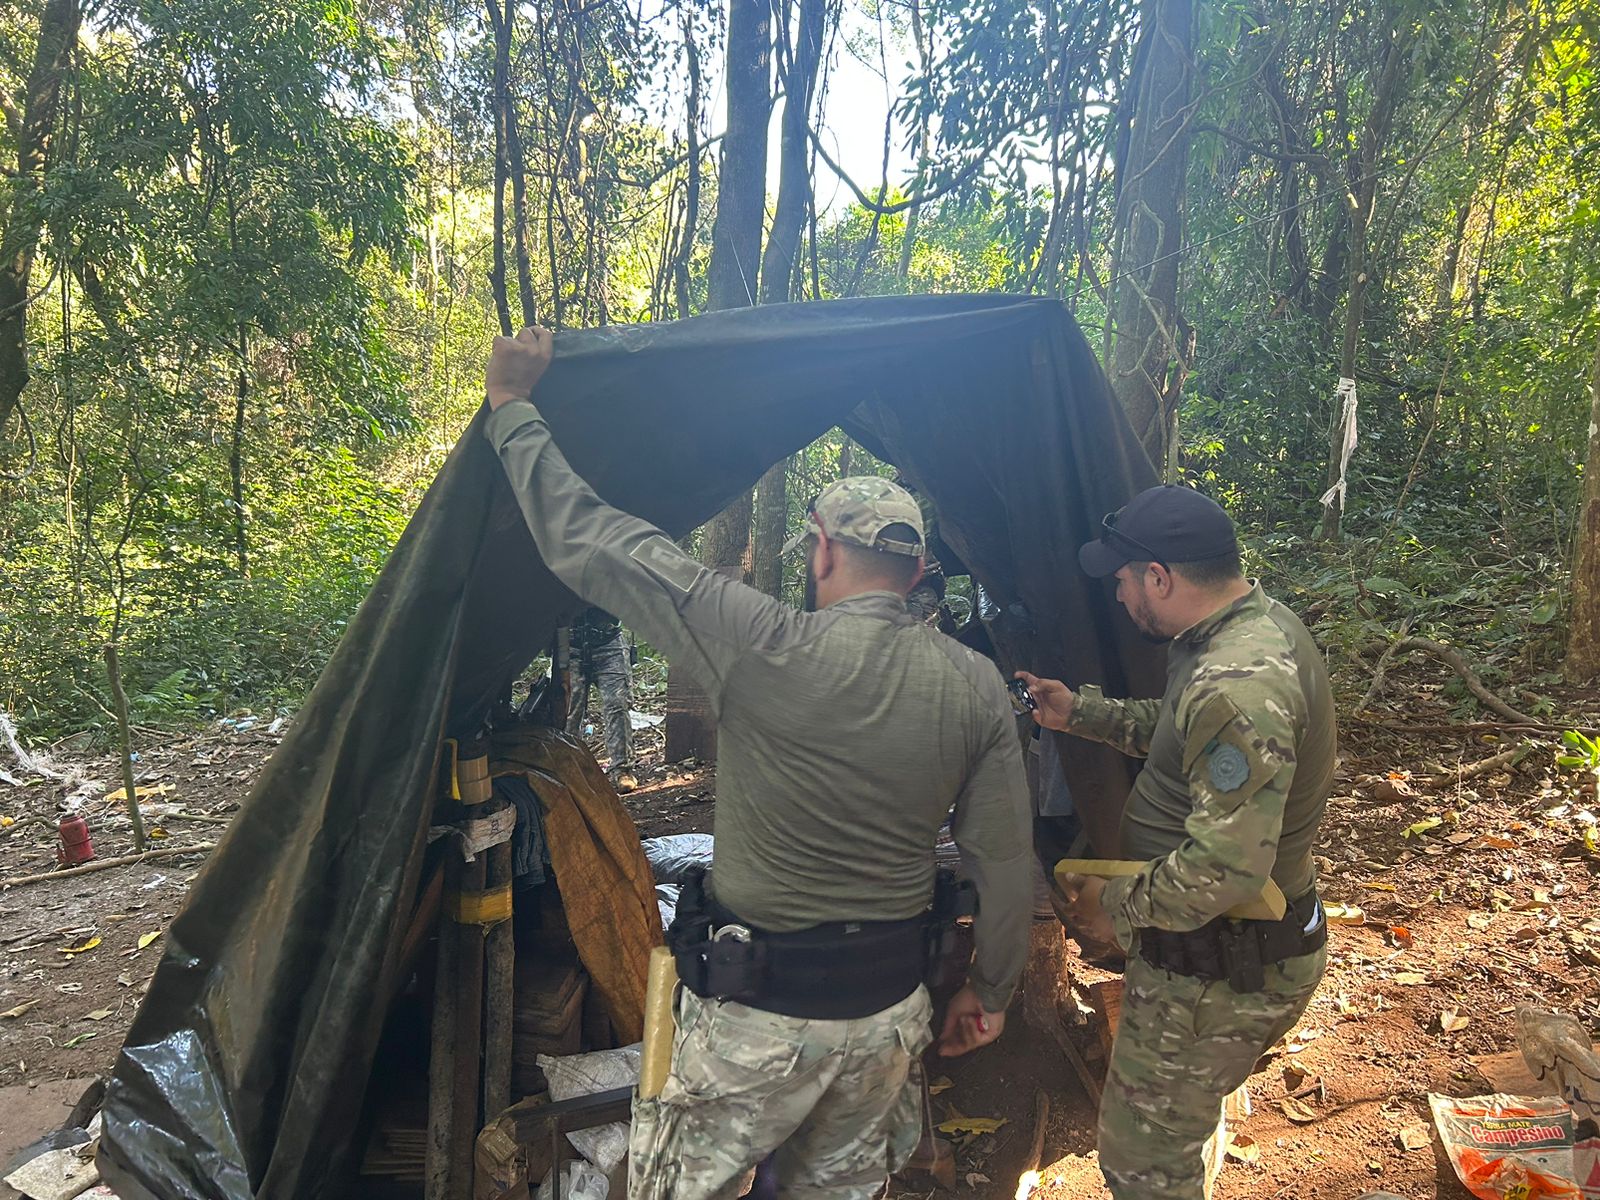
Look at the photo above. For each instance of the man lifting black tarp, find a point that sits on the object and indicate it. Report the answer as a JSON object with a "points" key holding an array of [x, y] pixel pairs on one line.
{"points": [[244, 1073]]}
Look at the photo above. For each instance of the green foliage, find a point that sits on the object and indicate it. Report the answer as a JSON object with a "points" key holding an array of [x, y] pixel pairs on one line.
{"points": [[268, 230], [1583, 753]]}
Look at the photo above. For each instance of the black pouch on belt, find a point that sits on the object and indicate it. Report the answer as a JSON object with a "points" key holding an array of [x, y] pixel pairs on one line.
{"points": [[1238, 951]]}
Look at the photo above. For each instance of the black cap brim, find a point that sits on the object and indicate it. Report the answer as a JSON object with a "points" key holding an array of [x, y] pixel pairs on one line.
{"points": [[1099, 559]]}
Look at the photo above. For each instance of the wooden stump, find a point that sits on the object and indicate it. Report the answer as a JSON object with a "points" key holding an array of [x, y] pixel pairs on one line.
{"points": [[1044, 978]]}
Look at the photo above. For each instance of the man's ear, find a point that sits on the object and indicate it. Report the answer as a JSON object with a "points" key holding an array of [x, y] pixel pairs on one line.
{"points": [[825, 557], [1161, 579]]}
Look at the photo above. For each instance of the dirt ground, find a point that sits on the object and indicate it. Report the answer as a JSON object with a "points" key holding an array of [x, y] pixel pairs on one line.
{"points": [[1473, 893]]}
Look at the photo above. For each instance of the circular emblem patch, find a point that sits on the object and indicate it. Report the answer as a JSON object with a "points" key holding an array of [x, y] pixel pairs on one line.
{"points": [[1229, 769]]}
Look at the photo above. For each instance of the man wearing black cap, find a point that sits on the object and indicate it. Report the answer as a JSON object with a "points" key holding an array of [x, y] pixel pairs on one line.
{"points": [[1239, 757]]}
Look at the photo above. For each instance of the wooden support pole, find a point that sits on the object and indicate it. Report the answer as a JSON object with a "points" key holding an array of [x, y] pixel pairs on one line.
{"points": [[467, 1088], [442, 1054], [499, 996]]}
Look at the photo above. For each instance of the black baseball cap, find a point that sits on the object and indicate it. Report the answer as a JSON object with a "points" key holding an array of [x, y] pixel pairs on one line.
{"points": [[1165, 524]]}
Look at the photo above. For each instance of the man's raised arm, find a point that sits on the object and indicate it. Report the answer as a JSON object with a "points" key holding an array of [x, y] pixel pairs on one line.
{"points": [[701, 620]]}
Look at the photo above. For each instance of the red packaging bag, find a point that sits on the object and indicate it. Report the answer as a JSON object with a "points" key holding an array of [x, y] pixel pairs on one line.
{"points": [[1509, 1147]]}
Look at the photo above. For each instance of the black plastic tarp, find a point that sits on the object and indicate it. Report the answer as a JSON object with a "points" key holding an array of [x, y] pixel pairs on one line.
{"points": [[244, 1072]]}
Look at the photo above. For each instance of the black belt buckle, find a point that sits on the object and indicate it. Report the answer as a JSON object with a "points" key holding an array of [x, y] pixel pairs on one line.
{"points": [[1241, 957]]}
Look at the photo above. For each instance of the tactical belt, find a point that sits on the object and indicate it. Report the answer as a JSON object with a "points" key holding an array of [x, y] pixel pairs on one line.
{"points": [[1238, 951], [840, 970]]}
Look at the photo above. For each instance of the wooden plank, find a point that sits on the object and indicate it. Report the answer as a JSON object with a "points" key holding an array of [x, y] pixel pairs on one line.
{"points": [[691, 729]]}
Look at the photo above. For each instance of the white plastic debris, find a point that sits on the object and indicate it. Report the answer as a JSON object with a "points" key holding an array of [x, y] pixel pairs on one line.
{"points": [[573, 1075]]}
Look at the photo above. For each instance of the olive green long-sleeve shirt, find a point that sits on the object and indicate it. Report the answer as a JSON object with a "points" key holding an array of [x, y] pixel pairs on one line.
{"points": [[845, 736], [1239, 758]]}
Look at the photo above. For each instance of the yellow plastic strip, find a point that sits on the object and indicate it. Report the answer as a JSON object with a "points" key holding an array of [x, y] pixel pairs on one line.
{"points": [[455, 762], [481, 908]]}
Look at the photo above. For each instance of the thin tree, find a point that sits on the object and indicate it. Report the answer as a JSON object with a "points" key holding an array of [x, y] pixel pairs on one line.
{"points": [[1362, 194], [31, 120]]}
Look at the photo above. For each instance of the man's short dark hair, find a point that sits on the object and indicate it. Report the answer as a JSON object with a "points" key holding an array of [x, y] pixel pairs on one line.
{"points": [[1210, 572], [897, 570]]}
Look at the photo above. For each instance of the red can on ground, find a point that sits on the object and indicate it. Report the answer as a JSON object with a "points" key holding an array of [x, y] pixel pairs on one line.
{"points": [[75, 846]]}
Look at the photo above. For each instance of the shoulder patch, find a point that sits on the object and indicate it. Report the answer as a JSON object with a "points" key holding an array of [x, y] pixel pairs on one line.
{"points": [[663, 559], [1228, 768], [1206, 721]]}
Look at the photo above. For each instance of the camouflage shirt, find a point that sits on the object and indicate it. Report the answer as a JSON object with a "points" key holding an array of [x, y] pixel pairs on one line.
{"points": [[844, 737], [1239, 757]]}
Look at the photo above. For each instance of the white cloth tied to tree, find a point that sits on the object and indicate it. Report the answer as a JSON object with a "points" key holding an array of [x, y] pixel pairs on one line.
{"points": [[1347, 418]]}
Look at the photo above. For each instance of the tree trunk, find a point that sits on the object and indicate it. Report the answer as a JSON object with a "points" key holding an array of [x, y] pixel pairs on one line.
{"points": [[908, 238], [1583, 638], [1146, 362], [781, 259], [742, 182], [517, 162], [33, 124], [691, 191], [241, 397], [1444, 287], [502, 165], [731, 282], [1362, 194], [731, 276], [772, 524], [794, 171]]}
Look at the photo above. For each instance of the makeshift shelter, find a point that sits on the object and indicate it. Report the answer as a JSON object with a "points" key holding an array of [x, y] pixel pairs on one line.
{"points": [[244, 1072]]}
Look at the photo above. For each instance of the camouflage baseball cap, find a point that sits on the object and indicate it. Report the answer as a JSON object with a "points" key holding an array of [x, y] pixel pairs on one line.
{"points": [[858, 509]]}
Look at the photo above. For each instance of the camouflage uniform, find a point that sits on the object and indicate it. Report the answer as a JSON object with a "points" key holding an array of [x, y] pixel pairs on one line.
{"points": [[845, 738], [1239, 760], [600, 659]]}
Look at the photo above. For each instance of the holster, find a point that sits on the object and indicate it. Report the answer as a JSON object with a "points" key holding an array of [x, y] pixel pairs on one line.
{"points": [[727, 967], [1238, 951], [948, 943]]}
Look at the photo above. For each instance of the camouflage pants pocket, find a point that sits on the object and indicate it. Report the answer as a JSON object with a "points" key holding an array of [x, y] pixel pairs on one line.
{"points": [[906, 1118], [650, 1161], [868, 1121], [730, 1049]]}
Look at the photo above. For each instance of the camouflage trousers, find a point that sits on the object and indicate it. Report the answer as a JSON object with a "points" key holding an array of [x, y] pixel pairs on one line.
{"points": [[605, 667], [1182, 1046], [840, 1102]]}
